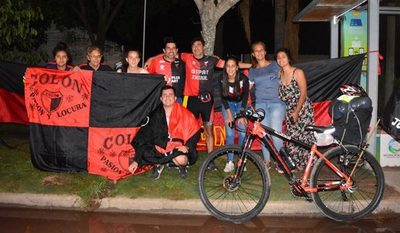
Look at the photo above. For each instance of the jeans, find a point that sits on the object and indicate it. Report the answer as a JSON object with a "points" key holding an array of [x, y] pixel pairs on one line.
{"points": [[274, 114], [234, 107]]}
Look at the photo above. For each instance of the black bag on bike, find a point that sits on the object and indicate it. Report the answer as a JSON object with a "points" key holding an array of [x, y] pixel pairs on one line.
{"points": [[351, 119]]}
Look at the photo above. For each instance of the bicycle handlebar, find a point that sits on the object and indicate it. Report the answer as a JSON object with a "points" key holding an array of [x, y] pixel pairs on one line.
{"points": [[252, 115]]}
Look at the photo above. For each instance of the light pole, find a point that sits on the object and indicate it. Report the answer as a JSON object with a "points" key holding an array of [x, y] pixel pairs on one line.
{"points": [[144, 30]]}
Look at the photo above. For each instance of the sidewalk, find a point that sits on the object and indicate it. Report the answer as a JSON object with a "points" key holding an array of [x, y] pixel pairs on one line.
{"points": [[195, 207]]}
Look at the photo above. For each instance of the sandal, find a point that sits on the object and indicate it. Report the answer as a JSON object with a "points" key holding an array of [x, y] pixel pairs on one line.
{"points": [[267, 164], [278, 169]]}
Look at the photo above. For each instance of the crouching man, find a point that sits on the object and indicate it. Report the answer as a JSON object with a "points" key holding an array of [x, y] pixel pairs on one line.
{"points": [[170, 136]]}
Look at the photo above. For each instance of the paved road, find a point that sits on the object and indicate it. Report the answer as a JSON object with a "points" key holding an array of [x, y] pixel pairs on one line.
{"points": [[390, 202], [23, 220]]}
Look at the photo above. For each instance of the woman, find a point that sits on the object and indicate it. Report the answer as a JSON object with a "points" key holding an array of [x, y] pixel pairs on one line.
{"points": [[264, 75], [133, 59], [62, 58], [299, 111], [234, 88]]}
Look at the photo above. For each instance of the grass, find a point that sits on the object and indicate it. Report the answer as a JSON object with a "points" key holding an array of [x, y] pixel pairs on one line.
{"points": [[17, 175]]}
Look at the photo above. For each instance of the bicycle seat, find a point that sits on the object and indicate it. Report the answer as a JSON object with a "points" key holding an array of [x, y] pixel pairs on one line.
{"points": [[321, 129]]}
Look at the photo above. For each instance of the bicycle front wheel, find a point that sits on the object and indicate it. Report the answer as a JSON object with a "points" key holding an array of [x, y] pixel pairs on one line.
{"points": [[361, 198], [229, 199]]}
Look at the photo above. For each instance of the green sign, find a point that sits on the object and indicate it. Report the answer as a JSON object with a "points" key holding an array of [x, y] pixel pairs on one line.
{"points": [[354, 37]]}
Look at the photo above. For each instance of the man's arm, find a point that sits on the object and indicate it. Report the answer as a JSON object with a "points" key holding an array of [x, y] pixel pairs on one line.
{"points": [[147, 63]]}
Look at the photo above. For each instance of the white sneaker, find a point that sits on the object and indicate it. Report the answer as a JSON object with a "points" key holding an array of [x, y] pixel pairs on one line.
{"points": [[229, 167]]}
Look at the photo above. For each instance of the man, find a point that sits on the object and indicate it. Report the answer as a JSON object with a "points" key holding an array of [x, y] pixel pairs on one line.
{"points": [[170, 135], [94, 55], [170, 66], [199, 87]]}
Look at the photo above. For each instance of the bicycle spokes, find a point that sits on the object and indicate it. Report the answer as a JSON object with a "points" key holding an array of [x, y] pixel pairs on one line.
{"points": [[352, 198], [230, 196]]}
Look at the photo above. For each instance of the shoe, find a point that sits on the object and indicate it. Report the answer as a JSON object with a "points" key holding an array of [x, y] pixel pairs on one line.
{"points": [[172, 165], [229, 167], [212, 166], [183, 172], [157, 169]]}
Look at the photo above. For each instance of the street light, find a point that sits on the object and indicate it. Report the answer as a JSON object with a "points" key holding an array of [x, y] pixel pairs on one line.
{"points": [[144, 30]]}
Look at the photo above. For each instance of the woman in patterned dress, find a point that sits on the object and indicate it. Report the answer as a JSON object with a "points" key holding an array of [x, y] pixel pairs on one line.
{"points": [[299, 111]]}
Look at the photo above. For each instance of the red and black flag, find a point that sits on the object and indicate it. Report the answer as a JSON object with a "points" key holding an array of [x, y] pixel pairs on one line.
{"points": [[85, 120], [12, 93], [324, 79], [391, 115]]}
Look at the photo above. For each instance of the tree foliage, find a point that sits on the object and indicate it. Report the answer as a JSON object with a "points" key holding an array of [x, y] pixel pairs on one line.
{"points": [[19, 30], [16, 21]]}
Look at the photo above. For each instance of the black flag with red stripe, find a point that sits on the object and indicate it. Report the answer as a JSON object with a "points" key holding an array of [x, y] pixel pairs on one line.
{"points": [[391, 115], [324, 79], [12, 93], [85, 120]]}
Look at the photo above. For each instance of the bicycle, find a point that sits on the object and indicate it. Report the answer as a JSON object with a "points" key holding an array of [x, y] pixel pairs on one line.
{"points": [[346, 182]]}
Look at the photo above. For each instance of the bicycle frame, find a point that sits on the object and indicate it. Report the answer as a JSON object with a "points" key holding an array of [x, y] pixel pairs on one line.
{"points": [[264, 133]]}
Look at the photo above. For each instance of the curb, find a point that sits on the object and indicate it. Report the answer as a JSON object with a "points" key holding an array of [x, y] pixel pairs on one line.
{"points": [[165, 206]]}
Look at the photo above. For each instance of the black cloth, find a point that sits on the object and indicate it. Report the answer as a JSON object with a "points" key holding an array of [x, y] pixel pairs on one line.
{"points": [[155, 132]]}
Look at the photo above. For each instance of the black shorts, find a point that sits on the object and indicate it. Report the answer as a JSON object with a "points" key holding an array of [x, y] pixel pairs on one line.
{"points": [[203, 109]]}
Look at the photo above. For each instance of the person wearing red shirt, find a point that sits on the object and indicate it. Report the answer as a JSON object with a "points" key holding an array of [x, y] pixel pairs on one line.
{"points": [[170, 66], [199, 88]]}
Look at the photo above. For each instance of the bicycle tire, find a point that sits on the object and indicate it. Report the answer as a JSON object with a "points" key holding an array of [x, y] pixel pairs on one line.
{"points": [[239, 205], [365, 194]]}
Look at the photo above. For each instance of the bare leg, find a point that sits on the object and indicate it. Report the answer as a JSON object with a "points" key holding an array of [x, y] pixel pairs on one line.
{"points": [[208, 130], [180, 160]]}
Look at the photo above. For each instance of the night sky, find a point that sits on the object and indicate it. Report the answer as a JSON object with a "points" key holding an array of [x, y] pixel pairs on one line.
{"points": [[182, 22]]}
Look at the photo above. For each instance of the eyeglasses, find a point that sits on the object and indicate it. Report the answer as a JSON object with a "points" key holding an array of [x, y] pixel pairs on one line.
{"points": [[96, 57]]}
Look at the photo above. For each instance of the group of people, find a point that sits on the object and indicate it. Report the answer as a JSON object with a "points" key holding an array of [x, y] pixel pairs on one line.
{"points": [[172, 132]]}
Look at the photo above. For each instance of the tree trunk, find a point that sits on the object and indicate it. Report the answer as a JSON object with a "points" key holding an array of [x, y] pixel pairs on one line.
{"points": [[210, 12], [105, 15], [245, 15], [279, 35], [208, 33], [292, 30]]}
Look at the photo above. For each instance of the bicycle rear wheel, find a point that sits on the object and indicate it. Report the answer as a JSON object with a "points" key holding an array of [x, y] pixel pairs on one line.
{"points": [[234, 201], [361, 198]]}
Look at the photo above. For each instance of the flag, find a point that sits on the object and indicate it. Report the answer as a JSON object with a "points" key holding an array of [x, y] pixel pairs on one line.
{"points": [[84, 121], [12, 93], [391, 115], [324, 79]]}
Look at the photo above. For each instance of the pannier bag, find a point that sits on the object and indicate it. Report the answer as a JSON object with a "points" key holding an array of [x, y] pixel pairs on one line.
{"points": [[351, 116]]}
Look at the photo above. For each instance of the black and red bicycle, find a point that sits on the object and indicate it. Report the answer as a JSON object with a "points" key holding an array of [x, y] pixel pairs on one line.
{"points": [[345, 182]]}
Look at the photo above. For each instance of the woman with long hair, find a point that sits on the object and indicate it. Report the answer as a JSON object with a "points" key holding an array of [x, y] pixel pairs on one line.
{"points": [[62, 58], [234, 87], [299, 111], [264, 76]]}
